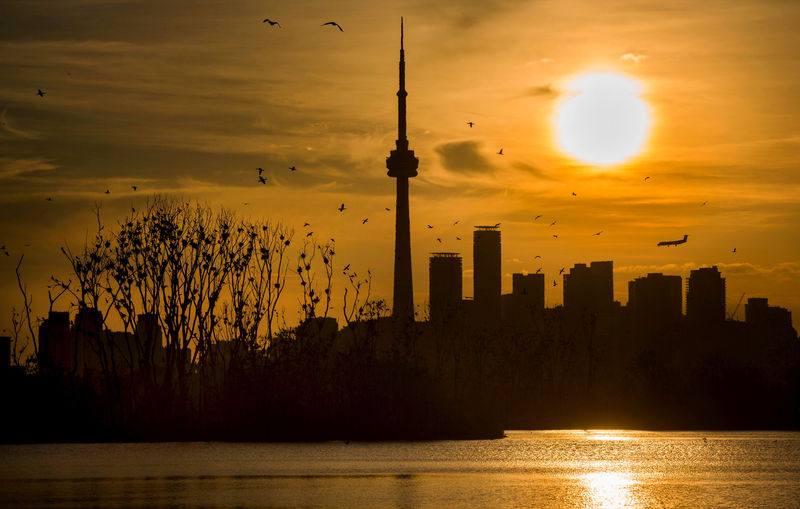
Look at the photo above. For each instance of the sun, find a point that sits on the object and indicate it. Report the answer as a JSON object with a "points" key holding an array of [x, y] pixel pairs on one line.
{"points": [[602, 119]]}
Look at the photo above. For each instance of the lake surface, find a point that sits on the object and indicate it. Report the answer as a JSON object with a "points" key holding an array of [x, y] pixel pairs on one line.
{"points": [[528, 468]]}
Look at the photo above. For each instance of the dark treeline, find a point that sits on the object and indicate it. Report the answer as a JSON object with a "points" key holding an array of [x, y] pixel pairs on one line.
{"points": [[204, 354]]}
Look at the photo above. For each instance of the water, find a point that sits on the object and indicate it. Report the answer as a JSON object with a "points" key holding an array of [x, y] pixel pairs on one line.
{"points": [[529, 468]]}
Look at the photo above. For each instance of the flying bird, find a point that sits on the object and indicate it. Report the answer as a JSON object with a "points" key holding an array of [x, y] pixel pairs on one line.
{"points": [[388, 209], [333, 23], [341, 208], [555, 236], [108, 192], [537, 217], [262, 179], [429, 226], [734, 250], [458, 238], [497, 225], [292, 168], [673, 242], [306, 224], [133, 187], [49, 199], [537, 256], [470, 124], [40, 93], [364, 221], [646, 178], [260, 170], [538, 270], [439, 240], [456, 222], [561, 271], [346, 267], [598, 233], [573, 194], [551, 224], [309, 234], [500, 152], [704, 203], [272, 23], [554, 283]]}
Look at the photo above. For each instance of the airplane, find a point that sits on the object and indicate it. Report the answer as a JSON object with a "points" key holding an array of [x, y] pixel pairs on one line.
{"points": [[673, 242]]}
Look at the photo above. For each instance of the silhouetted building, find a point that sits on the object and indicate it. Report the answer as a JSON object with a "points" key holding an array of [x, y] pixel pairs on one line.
{"points": [[589, 289], [705, 296], [486, 273], [444, 271], [56, 343], [402, 165], [655, 303], [526, 300], [5, 353], [758, 313]]}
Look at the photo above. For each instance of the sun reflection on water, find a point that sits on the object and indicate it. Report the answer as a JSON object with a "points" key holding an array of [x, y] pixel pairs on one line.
{"points": [[609, 489]]}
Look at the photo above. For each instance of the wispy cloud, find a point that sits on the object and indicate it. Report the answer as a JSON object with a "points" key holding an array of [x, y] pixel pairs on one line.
{"points": [[634, 58], [463, 157]]}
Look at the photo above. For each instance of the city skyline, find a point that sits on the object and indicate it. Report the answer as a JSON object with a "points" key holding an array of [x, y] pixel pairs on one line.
{"points": [[119, 112]]}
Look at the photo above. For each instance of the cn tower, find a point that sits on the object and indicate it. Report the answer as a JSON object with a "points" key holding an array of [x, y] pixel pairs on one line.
{"points": [[402, 165]]}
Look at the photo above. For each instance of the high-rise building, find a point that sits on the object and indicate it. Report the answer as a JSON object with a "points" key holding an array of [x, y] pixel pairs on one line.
{"points": [[758, 313], [444, 272], [589, 288], [655, 303], [486, 273], [529, 289], [402, 165], [56, 343], [705, 296]]}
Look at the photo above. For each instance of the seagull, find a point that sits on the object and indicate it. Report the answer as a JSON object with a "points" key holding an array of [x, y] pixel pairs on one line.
{"points": [[306, 224], [646, 178], [598, 233], [734, 250], [309, 234], [573, 194], [40, 93], [108, 192], [439, 240], [429, 226], [537, 256], [346, 268], [555, 236], [292, 168], [554, 283], [470, 124], [262, 179], [245, 203], [341, 207], [260, 170], [551, 224], [500, 152], [537, 217], [133, 187], [456, 222], [497, 225], [333, 23], [561, 271], [364, 221], [272, 23], [458, 238], [538, 270], [388, 209]]}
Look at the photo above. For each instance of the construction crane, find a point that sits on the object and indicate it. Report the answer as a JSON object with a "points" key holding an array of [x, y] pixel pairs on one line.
{"points": [[732, 316]]}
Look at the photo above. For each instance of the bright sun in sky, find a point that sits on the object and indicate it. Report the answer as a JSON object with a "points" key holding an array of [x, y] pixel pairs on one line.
{"points": [[602, 120]]}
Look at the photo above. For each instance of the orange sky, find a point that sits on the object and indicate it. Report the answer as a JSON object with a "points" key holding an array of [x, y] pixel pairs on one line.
{"points": [[188, 98]]}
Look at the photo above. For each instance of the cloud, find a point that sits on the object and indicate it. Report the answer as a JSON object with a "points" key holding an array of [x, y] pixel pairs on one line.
{"points": [[463, 157], [750, 269], [532, 170], [5, 126], [10, 167], [541, 91], [632, 58]]}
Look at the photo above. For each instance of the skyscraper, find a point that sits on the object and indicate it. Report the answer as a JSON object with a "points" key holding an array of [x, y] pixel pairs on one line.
{"points": [[402, 165], [655, 303], [445, 287], [486, 273], [705, 296], [529, 289], [589, 288]]}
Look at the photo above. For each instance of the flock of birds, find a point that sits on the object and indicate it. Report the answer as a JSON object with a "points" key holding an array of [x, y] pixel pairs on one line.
{"points": [[264, 180]]}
